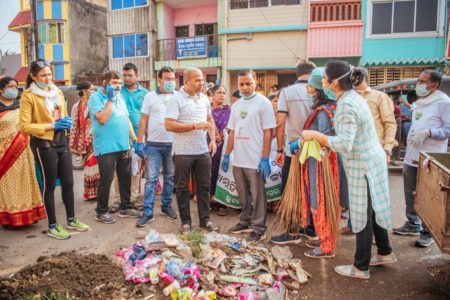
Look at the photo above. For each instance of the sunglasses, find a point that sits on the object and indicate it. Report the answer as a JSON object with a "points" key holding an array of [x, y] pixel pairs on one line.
{"points": [[42, 63]]}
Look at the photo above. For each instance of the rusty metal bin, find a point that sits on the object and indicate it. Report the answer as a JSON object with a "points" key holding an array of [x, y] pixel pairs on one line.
{"points": [[433, 196]]}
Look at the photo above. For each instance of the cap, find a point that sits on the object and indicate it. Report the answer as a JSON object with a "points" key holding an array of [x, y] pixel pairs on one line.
{"points": [[315, 79]]}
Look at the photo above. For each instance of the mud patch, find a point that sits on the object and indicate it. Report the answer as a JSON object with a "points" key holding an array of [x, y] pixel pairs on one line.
{"points": [[441, 273], [69, 275]]}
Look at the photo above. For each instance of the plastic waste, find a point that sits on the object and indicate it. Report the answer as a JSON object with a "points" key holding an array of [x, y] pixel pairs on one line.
{"points": [[174, 286], [281, 252], [139, 252], [173, 268]]}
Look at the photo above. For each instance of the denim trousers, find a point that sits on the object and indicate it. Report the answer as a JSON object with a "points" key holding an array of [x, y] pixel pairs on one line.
{"points": [[157, 153]]}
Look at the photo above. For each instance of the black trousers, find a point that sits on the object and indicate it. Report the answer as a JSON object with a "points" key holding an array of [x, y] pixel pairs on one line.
{"points": [[56, 162], [364, 239], [200, 168], [119, 162], [285, 172]]}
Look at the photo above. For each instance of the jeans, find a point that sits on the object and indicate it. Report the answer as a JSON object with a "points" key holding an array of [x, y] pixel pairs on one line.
{"points": [[200, 168], [409, 184], [56, 162], [364, 239], [157, 153], [108, 164]]}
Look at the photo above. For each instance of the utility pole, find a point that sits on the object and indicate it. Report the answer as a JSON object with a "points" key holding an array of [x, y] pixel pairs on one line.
{"points": [[35, 28]]}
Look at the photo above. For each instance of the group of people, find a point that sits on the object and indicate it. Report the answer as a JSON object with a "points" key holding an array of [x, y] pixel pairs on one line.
{"points": [[121, 129]]}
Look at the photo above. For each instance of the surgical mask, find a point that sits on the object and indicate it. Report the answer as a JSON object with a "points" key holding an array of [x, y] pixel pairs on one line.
{"points": [[248, 97], [169, 86], [329, 93], [10, 93], [421, 90], [42, 85], [116, 92]]}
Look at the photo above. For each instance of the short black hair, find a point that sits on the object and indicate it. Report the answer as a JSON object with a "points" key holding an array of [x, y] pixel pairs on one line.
{"points": [[130, 66], [111, 74], [435, 76], [165, 70], [305, 68], [236, 94], [246, 72], [5, 81]]}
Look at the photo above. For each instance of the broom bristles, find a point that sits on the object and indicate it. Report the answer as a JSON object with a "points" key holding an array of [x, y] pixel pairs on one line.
{"points": [[332, 205]]}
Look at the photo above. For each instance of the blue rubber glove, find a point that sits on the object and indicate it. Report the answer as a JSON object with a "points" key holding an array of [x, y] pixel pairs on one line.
{"points": [[139, 149], [264, 168], [68, 122], [294, 145], [110, 93], [225, 162], [60, 125]]}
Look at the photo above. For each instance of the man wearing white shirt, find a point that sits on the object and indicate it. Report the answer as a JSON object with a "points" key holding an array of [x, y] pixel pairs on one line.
{"points": [[159, 146], [251, 122], [188, 115], [430, 130]]}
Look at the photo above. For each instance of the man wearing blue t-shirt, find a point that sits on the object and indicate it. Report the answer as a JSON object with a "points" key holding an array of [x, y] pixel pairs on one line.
{"points": [[112, 131]]}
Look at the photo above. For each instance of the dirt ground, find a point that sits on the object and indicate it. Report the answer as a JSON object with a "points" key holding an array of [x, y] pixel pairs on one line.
{"points": [[83, 260]]}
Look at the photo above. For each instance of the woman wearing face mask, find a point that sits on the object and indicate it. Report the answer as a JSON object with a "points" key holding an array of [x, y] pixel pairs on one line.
{"points": [[43, 115], [17, 177], [81, 138], [321, 120], [365, 164], [220, 114]]}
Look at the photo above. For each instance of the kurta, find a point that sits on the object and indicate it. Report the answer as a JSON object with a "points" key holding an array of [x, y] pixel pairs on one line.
{"points": [[357, 140]]}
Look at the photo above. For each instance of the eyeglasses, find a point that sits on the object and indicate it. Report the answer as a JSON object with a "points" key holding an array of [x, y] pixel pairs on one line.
{"points": [[43, 63]]}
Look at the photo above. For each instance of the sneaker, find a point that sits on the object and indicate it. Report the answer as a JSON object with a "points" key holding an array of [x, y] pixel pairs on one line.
{"points": [[255, 237], [77, 225], [424, 241], [210, 226], [144, 220], [352, 271], [312, 244], [378, 260], [407, 229], [169, 212], [58, 233], [105, 218], [129, 213], [308, 234], [286, 238], [239, 228], [318, 253]]}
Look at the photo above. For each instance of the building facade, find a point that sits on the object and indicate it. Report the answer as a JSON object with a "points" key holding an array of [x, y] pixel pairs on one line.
{"points": [[401, 38], [268, 36], [131, 30], [70, 36]]}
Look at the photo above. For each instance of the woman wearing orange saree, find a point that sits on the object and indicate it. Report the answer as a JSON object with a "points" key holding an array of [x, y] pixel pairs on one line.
{"points": [[20, 199]]}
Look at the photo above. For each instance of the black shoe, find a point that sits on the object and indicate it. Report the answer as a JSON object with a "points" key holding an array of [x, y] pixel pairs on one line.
{"points": [[308, 234], [285, 239], [168, 212], [407, 229], [255, 237], [144, 220], [424, 241], [239, 228]]}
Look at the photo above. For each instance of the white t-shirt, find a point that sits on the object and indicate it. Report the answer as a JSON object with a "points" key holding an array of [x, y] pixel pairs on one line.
{"points": [[155, 106], [189, 109], [248, 119]]}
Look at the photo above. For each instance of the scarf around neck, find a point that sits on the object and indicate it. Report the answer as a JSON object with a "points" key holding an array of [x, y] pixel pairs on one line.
{"points": [[51, 97]]}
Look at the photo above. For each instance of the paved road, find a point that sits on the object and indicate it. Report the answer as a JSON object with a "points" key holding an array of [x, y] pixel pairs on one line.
{"points": [[408, 278]]}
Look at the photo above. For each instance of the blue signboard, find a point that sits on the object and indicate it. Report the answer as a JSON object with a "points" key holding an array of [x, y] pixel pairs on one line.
{"points": [[191, 47]]}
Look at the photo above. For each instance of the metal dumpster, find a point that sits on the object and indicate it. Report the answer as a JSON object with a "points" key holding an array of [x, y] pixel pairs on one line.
{"points": [[433, 196]]}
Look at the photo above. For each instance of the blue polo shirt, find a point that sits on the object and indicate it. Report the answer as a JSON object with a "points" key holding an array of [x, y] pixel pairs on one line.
{"points": [[134, 100], [113, 136]]}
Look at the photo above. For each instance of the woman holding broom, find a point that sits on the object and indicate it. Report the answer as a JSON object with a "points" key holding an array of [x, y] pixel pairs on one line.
{"points": [[323, 207], [365, 164]]}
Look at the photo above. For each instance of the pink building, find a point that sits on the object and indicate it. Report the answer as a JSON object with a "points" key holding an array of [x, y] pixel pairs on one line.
{"points": [[335, 30]]}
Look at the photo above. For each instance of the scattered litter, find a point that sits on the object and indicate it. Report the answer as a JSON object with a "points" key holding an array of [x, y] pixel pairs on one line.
{"points": [[281, 252]]}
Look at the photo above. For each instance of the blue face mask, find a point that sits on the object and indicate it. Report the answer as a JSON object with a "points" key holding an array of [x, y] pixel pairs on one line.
{"points": [[42, 85], [10, 93], [169, 86], [421, 90], [329, 93]]}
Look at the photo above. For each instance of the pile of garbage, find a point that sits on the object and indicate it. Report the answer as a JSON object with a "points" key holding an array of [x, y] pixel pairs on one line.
{"points": [[205, 266]]}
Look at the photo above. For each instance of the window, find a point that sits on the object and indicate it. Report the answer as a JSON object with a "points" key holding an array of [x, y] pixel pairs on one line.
{"points": [[238, 4], [133, 45], [121, 4], [381, 75], [51, 33], [181, 31], [205, 29], [404, 16]]}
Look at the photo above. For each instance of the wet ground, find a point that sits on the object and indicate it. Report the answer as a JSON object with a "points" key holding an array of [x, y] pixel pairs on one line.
{"points": [[419, 274]]}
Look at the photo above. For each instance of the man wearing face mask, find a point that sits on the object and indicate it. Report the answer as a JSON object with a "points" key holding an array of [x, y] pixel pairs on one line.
{"points": [[112, 131], [158, 149], [382, 109], [430, 130]]}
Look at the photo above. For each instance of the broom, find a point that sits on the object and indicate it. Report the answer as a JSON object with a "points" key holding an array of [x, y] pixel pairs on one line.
{"points": [[289, 210], [332, 205]]}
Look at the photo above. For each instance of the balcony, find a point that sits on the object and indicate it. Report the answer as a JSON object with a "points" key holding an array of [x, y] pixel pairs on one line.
{"points": [[204, 51]]}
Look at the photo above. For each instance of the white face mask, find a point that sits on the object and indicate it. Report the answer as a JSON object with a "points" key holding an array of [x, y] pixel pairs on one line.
{"points": [[421, 90]]}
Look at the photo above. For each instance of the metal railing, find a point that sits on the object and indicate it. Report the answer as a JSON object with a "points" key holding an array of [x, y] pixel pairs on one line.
{"points": [[167, 48], [240, 4]]}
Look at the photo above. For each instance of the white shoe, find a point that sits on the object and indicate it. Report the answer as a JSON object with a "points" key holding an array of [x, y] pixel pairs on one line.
{"points": [[378, 260], [352, 271]]}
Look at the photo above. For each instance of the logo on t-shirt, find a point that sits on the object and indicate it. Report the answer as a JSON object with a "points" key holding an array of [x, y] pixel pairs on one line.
{"points": [[243, 114], [418, 115]]}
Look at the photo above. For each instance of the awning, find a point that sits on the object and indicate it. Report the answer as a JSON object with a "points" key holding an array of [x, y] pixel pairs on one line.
{"points": [[404, 62], [22, 18], [21, 75]]}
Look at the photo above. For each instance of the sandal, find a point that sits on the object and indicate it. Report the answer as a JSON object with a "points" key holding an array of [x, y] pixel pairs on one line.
{"points": [[222, 212], [210, 226], [318, 253]]}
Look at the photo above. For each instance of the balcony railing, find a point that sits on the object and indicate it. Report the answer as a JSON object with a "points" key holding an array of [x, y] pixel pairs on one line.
{"points": [[239, 4], [330, 12], [167, 48]]}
